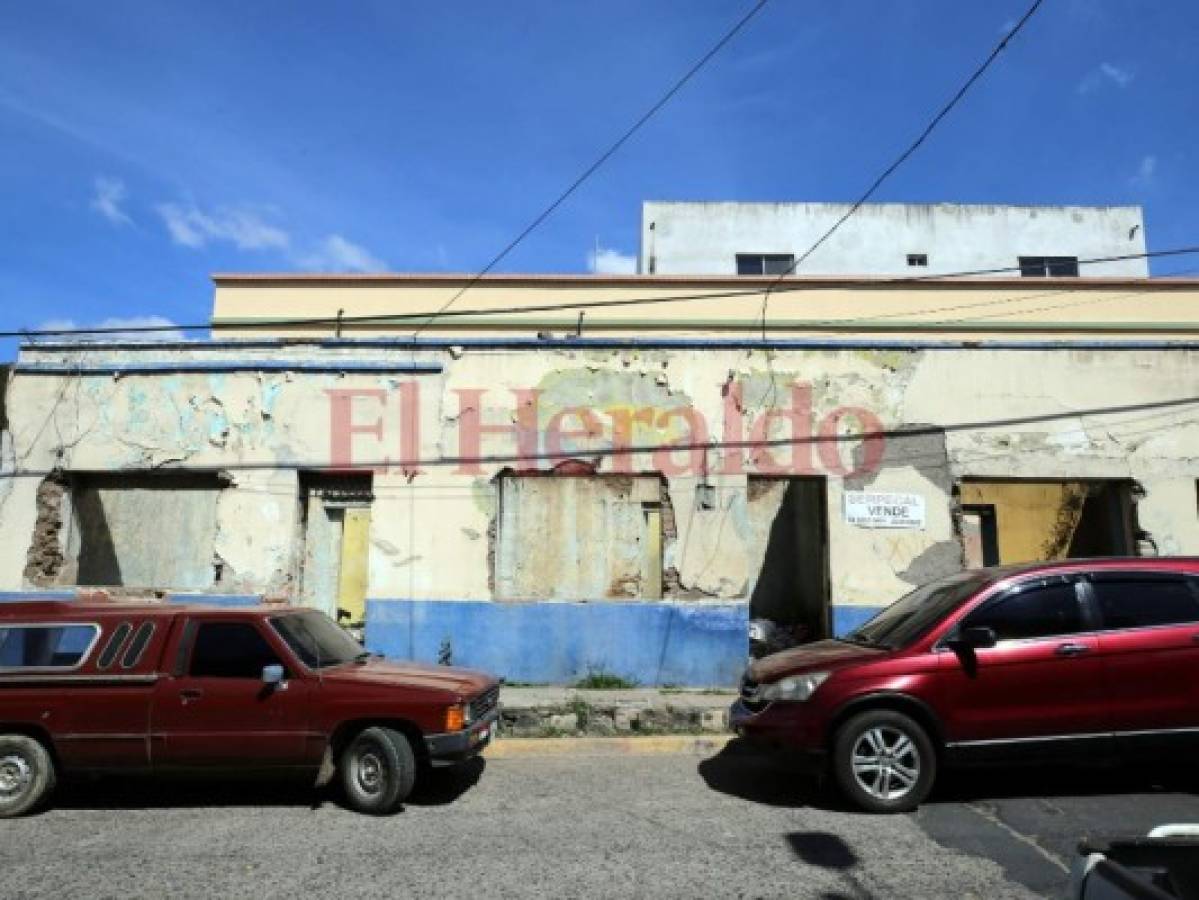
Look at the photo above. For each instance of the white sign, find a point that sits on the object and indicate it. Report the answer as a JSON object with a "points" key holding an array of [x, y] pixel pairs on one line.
{"points": [[868, 510]]}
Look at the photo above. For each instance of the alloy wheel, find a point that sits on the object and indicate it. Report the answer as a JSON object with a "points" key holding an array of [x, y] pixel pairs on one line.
{"points": [[886, 762]]}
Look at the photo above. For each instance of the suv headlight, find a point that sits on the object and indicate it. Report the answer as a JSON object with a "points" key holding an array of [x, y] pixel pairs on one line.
{"points": [[794, 687]]}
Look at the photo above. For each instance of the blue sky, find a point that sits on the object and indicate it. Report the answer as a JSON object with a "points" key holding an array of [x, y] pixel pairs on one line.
{"points": [[145, 145]]}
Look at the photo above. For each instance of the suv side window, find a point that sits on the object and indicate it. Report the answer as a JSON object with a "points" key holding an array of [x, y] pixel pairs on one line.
{"points": [[1033, 612], [230, 650], [1130, 600]]}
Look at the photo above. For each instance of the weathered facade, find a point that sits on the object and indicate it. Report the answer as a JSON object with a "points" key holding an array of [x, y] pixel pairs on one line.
{"points": [[621, 499], [727, 238]]}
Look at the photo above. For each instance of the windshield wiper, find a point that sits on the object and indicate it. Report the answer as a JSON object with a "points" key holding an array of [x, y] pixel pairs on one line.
{"points": [[363, 656], [863, 641]]}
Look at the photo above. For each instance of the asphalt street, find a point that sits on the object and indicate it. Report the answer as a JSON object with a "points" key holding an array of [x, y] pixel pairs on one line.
{"points": [[668, 825]]}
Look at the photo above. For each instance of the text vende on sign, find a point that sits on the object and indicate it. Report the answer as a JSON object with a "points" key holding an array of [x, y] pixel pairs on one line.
{"points": [[873, 510]]}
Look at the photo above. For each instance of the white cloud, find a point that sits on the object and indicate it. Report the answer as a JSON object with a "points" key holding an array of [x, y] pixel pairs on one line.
{"points": [[1146, 171], [1106, 72], [336, 254], [192, 227], [109, 194], [606, 261], [116, 322]]}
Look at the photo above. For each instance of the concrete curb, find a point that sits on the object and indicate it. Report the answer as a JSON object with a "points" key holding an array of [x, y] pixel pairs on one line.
{"points": [[685, 744]]}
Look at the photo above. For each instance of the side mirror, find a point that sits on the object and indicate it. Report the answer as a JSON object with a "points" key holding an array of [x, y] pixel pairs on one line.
{"points": [[272, 675], [977, 638]]}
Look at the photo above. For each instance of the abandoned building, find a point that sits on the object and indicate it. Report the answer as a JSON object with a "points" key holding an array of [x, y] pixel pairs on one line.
{"points": [[540, 488]]}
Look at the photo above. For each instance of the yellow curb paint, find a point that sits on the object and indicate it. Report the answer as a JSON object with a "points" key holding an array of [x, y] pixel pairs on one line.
{"points": [[690, 744]]}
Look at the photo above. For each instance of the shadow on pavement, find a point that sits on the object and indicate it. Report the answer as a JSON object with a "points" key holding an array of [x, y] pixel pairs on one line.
{"points": [[435, 787], [771, 778], [441, 787], [965, 785], [741, 770], [821, 848], [177, 792]]}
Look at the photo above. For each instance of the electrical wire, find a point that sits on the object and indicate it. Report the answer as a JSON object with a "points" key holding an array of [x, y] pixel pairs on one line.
{"points": [[903, 157], [676, 447], [603, 158], [832, 284]]}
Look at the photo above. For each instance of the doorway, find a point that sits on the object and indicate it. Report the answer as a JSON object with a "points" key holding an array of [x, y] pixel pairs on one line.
{"points": [[792, 587], [1015, 521], [335, 518]]}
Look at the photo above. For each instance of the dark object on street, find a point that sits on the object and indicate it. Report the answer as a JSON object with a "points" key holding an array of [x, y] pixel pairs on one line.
{"points": [[93, 687], [1162, 865], [1079, 660]]}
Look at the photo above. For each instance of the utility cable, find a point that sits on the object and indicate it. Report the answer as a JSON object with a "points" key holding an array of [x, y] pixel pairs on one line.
{"points": [[903, 157], [790, 287]]}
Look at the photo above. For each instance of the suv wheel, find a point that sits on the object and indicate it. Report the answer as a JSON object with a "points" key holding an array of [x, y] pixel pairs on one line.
{"points": [[26, 774], [378, 770], [884, 761]]}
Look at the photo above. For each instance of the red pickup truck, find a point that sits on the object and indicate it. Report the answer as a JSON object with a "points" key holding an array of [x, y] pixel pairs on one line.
{"points": [[116, 686]]}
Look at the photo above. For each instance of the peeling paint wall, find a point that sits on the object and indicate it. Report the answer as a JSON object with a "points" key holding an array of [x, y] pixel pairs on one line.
{"points": [[579, 538], [436, 530]]}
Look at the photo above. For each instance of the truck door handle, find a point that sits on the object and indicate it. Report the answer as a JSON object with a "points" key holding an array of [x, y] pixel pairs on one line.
{"points": [[1072, 649], [1195, 637], [189, 694]]}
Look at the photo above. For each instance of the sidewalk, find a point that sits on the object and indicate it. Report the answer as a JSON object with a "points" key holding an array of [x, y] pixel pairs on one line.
{"points": [[548, 711]]}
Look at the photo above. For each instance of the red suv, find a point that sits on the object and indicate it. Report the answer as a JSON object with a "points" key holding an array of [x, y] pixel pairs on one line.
{"points": [[1079, 659]]}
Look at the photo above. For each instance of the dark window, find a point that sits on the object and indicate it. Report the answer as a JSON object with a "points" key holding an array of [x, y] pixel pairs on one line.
{"points": [[910, 617], [230, 650], [314, 638], [1049, 266], [1031, 613], [45, 646], [1129, 601], [917, 259], [764, 263], [113, 647], [137, 646]]}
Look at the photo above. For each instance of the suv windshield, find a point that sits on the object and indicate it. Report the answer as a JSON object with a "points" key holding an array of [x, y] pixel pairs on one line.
{"points": [[911, 616], [316, 640]]}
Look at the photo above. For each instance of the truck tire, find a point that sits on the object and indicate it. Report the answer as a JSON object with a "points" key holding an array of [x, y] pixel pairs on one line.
{"points": [[26, 774], [884, 761], [378, 770]]}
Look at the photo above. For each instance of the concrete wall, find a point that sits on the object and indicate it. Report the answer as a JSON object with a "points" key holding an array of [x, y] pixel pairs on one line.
{"points": [[703, 420], [704, 238]]}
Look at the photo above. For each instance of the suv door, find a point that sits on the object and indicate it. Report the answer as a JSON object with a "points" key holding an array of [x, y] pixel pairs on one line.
{"points": [[216, 711], [1042, 681], [1150, 647]]}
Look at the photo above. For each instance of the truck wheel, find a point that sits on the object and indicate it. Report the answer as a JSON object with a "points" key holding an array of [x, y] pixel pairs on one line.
{"points": [[884, 761], [378, 769], [26, 774]]}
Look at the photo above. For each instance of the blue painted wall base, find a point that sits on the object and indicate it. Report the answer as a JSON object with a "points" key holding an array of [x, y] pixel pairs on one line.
{"points": [[652, 643]]}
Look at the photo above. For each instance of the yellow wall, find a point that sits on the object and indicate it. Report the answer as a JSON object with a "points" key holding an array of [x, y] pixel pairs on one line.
{"points": [[963, 307], [1029, 516]]}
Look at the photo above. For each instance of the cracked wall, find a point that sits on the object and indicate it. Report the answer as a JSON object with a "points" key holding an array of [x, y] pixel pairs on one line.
{"points": [[949, 415]]}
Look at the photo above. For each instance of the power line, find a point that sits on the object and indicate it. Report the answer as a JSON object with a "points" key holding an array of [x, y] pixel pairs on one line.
{"points": [[903, 157], [603, 158], [913, 431], [839, 284]]}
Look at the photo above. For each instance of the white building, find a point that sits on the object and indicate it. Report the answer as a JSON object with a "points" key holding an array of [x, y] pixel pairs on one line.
{"points": [[889, 239]]}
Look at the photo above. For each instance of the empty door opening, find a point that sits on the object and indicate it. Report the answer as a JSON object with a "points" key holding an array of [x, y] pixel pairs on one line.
{"points": [[791, 589]]}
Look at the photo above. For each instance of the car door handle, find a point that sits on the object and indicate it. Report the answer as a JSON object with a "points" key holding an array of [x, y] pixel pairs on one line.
{"points": [[1195, 638], [187, 695], [1072, 649]]}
